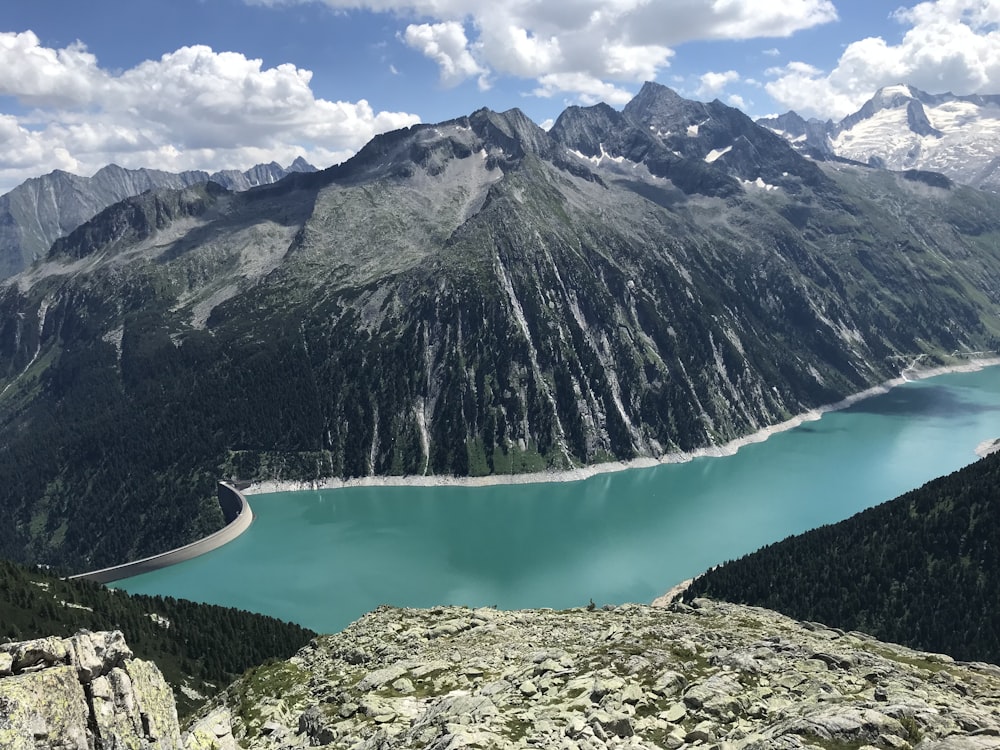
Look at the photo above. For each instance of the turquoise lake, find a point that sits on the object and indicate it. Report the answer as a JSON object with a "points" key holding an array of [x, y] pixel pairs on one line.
{"points": [[324, 558]]}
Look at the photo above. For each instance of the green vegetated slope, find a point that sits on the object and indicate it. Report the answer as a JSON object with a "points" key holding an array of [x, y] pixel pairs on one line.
{"points": [[478, 296], [922, 570], [199, 647]]}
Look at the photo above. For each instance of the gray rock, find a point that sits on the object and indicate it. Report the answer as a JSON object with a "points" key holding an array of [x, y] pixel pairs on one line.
{"points": [[380, 677], [212, 732], [675, 713], [669, 683], [84, 692]]}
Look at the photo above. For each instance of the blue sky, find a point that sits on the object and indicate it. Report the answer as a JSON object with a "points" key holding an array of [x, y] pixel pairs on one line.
{"points": [[209, 84]]}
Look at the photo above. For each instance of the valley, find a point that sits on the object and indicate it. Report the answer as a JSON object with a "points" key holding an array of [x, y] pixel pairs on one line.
{"points": [[473, 298]]}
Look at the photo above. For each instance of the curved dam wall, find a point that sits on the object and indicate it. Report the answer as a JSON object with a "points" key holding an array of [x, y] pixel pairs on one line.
{"points": [[235, 510]]}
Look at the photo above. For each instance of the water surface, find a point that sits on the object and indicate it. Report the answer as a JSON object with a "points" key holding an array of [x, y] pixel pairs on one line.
{"points": [[324, 558]]}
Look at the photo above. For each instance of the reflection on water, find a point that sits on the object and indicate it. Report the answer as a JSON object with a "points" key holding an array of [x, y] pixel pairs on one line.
{"points": [[324, 558], [931, 400]]}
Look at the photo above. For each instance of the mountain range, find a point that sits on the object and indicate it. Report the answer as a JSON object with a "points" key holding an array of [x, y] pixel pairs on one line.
{"points": [[478, 296], [41, 210], [902, 127]]}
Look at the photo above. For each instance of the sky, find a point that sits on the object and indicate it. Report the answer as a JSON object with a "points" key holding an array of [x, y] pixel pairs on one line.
{"points": [[220, 84]]}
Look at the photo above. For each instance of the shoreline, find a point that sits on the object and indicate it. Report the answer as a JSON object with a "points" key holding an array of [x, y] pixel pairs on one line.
{"points": [[181, 554], [908, 374], [244, 518]]}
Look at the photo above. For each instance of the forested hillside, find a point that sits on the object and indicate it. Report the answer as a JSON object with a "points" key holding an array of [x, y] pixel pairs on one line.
{"points": [[199, 647], [922, 570]]}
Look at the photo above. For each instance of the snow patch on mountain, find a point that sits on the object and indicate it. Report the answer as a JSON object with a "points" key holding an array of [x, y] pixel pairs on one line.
{"points": [[903, 128]]}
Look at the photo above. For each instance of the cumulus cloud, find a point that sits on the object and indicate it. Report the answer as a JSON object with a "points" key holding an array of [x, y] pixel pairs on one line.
{"points": [[447, 45], [948, 45], [735, 100], [588, 90], [601, 45], [712, 83], [194, 108]]}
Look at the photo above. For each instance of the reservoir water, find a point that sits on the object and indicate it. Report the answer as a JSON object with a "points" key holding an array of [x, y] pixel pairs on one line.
{"points": [[324, 558]]}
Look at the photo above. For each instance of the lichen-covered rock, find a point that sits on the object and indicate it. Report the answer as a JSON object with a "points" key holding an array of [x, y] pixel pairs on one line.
{"points": [[47, 709], [713, 675], [84, 693], [212, 732], [94, 654], [40, 652]]}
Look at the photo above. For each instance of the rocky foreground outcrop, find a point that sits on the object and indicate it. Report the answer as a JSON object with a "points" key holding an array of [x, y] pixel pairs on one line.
{"points": [[716, 675], [88, 692]]}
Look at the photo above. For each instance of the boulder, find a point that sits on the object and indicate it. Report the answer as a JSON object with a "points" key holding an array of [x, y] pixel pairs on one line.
{"points": [[82, 693]]}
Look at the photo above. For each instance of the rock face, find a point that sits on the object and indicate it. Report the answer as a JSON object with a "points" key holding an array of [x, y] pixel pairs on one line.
{"points": [[714, 675], [87, 692]]}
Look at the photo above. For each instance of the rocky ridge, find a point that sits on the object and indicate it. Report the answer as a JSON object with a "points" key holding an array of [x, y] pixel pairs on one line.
{"points": [[711, 675], [87, 692], [40, 210]]}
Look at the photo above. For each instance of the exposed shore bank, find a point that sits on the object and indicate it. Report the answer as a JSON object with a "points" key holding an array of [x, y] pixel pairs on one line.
{"points": [[584, 472], [239, 524]]}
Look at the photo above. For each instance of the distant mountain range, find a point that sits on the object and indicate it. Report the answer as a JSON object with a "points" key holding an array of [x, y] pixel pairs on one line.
{"points": [[478, 296], [41, 210], [902, 127]]}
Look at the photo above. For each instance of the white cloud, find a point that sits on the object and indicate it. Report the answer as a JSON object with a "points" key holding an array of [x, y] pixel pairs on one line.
{"points": [[194, 108], [588, 90], [712, 83], [772, 52], [735, 100], [447, 45], [949, 45], [601, 44]]}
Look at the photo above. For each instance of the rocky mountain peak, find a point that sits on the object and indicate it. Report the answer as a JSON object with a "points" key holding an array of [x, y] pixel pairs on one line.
{"points": [[301, 165], [896, 95], [512, 132], [658, 106]]}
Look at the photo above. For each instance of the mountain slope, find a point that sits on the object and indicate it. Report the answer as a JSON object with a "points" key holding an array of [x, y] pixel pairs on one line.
{"points": [[902, 128], [477, 296], [39, 211], [923, 569]]}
